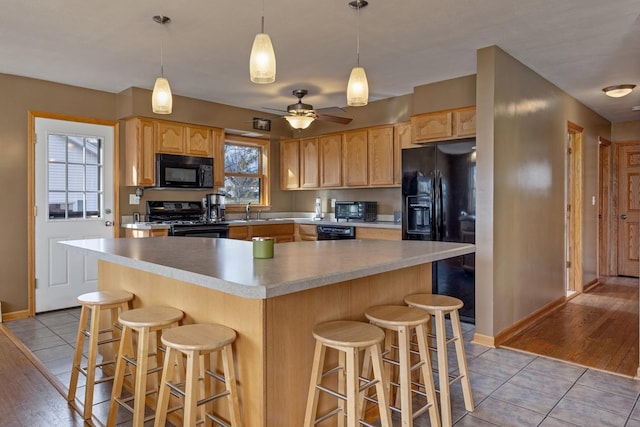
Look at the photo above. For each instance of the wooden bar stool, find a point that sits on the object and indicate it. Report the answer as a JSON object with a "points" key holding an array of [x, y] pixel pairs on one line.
{"points": [[401, 322], [93, 304], [197, 342], [348, 338], [142, 321], [439, 306]]}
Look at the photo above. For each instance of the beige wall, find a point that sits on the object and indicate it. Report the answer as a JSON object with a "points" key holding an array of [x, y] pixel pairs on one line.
{"points": [[626, 131], [522, 126]]}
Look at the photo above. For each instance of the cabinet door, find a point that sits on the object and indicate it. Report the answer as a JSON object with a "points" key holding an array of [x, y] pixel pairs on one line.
{"points": [[402, 139], [217, 135], [355, 159], [330, 160], [432, 126], [309, 163], [139, 152], [199, 142], [381, 155], [290, 164], [464, 121], [306, 232], [240, 232], [170, 138]]}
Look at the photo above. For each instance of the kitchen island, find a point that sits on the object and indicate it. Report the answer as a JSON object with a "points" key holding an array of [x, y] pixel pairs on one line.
{"points": [[273, 304]]}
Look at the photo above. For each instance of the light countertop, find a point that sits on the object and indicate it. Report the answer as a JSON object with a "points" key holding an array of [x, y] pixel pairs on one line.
{"points": [[273, 221], [228, 265]]}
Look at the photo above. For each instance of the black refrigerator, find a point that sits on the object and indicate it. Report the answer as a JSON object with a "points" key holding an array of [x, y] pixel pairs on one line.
{"points": [[439, 203]]}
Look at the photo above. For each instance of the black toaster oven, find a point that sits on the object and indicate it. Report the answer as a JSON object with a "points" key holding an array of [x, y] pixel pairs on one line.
{"points": [[357, 211]]}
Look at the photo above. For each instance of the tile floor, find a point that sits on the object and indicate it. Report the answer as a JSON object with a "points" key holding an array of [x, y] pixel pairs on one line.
{"points": [[509, 388]]}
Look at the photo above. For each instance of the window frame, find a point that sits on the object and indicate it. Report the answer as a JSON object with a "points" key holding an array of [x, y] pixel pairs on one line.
{"points": [[263, 165]]}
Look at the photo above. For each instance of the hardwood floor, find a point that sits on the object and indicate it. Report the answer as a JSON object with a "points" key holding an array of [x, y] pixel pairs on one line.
{"points": [[597, 329], [27, 398]]}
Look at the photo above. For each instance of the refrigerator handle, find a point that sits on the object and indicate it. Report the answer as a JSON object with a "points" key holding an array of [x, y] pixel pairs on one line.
{"points": [[438, 206]]}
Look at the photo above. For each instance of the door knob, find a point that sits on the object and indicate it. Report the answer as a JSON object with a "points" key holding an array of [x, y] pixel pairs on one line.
{"points": [[108, 223], [623, 216]]}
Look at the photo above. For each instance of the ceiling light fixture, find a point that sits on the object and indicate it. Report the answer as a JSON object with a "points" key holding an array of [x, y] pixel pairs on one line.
{"points": [[262, 62], [358, 87], [299, 122], [618, 91], [161, 98]]}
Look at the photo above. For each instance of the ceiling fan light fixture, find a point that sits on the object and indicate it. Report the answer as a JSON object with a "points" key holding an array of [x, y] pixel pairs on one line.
{"points": [[299, 122], [357, 88], [161, 99], [618, 91]]}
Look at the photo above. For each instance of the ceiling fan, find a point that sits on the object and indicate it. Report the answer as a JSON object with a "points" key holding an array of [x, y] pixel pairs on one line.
{"points": [[301, 115]]}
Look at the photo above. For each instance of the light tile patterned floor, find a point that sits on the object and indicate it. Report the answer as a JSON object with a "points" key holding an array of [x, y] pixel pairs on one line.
{"points": [[509, 388]]}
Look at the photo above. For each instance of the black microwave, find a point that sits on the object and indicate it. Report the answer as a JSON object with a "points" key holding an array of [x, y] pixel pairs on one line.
{"points": [[358, 211], [174, 171]]}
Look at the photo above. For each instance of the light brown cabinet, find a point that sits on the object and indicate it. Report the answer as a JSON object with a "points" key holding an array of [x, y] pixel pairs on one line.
{"points": [[131, 232], [306, 232], [355, 159], [401, 139], [139, 152], [282, 233], [290, 164], [309, 161], [146, 137], [239, 232], [330, 160], [382, 155], [444, 125]]}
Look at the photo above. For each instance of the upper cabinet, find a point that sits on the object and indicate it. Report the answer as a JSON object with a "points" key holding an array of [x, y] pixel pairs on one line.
{"points": [[444, 125], [146, 137], [290, 164], [330, 160], [382, 156], [309, 162]]}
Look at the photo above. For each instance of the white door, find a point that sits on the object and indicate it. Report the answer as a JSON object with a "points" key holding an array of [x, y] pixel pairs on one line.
{"points": [[74, 200]]}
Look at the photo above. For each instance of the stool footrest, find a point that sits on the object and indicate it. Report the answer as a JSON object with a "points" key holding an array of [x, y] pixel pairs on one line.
{"points": [[217, 420], [328, 415]]}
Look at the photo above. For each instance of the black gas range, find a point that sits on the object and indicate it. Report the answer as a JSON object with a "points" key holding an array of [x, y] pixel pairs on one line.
{"points": [[185, 219]]}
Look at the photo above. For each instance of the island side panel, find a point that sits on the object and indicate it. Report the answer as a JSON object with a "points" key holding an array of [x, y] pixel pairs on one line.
{"points": [[200, 304], [291, 318]]}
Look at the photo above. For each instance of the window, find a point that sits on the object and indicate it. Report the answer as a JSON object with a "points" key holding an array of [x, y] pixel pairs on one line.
{"points": [[74, 176], [246, 176]]}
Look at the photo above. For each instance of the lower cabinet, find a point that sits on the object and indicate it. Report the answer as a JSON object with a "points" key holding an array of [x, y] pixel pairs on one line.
{"points": [[375, 233], [305, 232], [131, 232], [282, 233]]}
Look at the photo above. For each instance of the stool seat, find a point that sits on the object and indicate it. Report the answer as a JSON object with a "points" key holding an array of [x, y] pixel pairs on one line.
{"points": [[105, 297], [434, 302], [148, 317], [390, 316], [198, 337], [346, 333]]}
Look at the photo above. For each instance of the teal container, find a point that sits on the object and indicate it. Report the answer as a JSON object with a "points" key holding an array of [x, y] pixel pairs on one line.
{"points": [[263, 247]]}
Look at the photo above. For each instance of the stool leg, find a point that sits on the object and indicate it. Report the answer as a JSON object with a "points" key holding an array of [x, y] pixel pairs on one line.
{"points": [[204, 386], [383, 397], [462, 360], [316, 378], [342, 387], [352, 386], [91, 361], [77, 353], [142, 362], [443, 369], [126, 349], [427, 376], [164, 392], [405, 376], [232, 388], [191, 390]]}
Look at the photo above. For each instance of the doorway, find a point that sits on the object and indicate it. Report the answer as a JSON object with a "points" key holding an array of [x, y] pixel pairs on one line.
{"points": [[574, 204], [628, 214], [73, 194]]}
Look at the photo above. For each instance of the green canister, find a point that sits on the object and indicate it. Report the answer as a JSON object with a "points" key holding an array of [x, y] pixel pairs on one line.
{"points": [[263, 247]]}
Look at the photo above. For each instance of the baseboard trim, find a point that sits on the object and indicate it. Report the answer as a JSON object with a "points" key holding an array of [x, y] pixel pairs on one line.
{"points": [[484, 340], [15, 315]]}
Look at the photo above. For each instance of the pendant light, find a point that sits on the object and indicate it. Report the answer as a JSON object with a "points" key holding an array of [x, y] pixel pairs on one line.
{"points": [[262, 62], [161, 99], [358, 87]]}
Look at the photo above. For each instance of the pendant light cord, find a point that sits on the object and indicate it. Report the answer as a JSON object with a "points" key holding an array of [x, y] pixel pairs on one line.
{"points": [[262, 27], [358, 34]]}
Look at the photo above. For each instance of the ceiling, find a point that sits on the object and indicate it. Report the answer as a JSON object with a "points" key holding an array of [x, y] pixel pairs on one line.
{"points": [[579, 45]]}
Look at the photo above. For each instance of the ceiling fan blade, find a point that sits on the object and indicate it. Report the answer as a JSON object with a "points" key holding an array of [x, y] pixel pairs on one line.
{"points": [[333, 119], [275, 109], [330, 110]]}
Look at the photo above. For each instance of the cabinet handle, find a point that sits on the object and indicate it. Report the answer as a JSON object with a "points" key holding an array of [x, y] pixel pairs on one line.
{"points": [[108, 223]]}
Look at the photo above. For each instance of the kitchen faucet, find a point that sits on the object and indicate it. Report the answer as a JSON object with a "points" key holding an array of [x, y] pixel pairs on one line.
{"points": [[247, 210]]}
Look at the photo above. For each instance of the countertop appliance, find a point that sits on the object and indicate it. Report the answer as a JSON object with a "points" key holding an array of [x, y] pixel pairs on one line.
{"points": [[175, 171], [439, 203], [185, 219], [215, 207], [357, 211], [336, 232]]}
